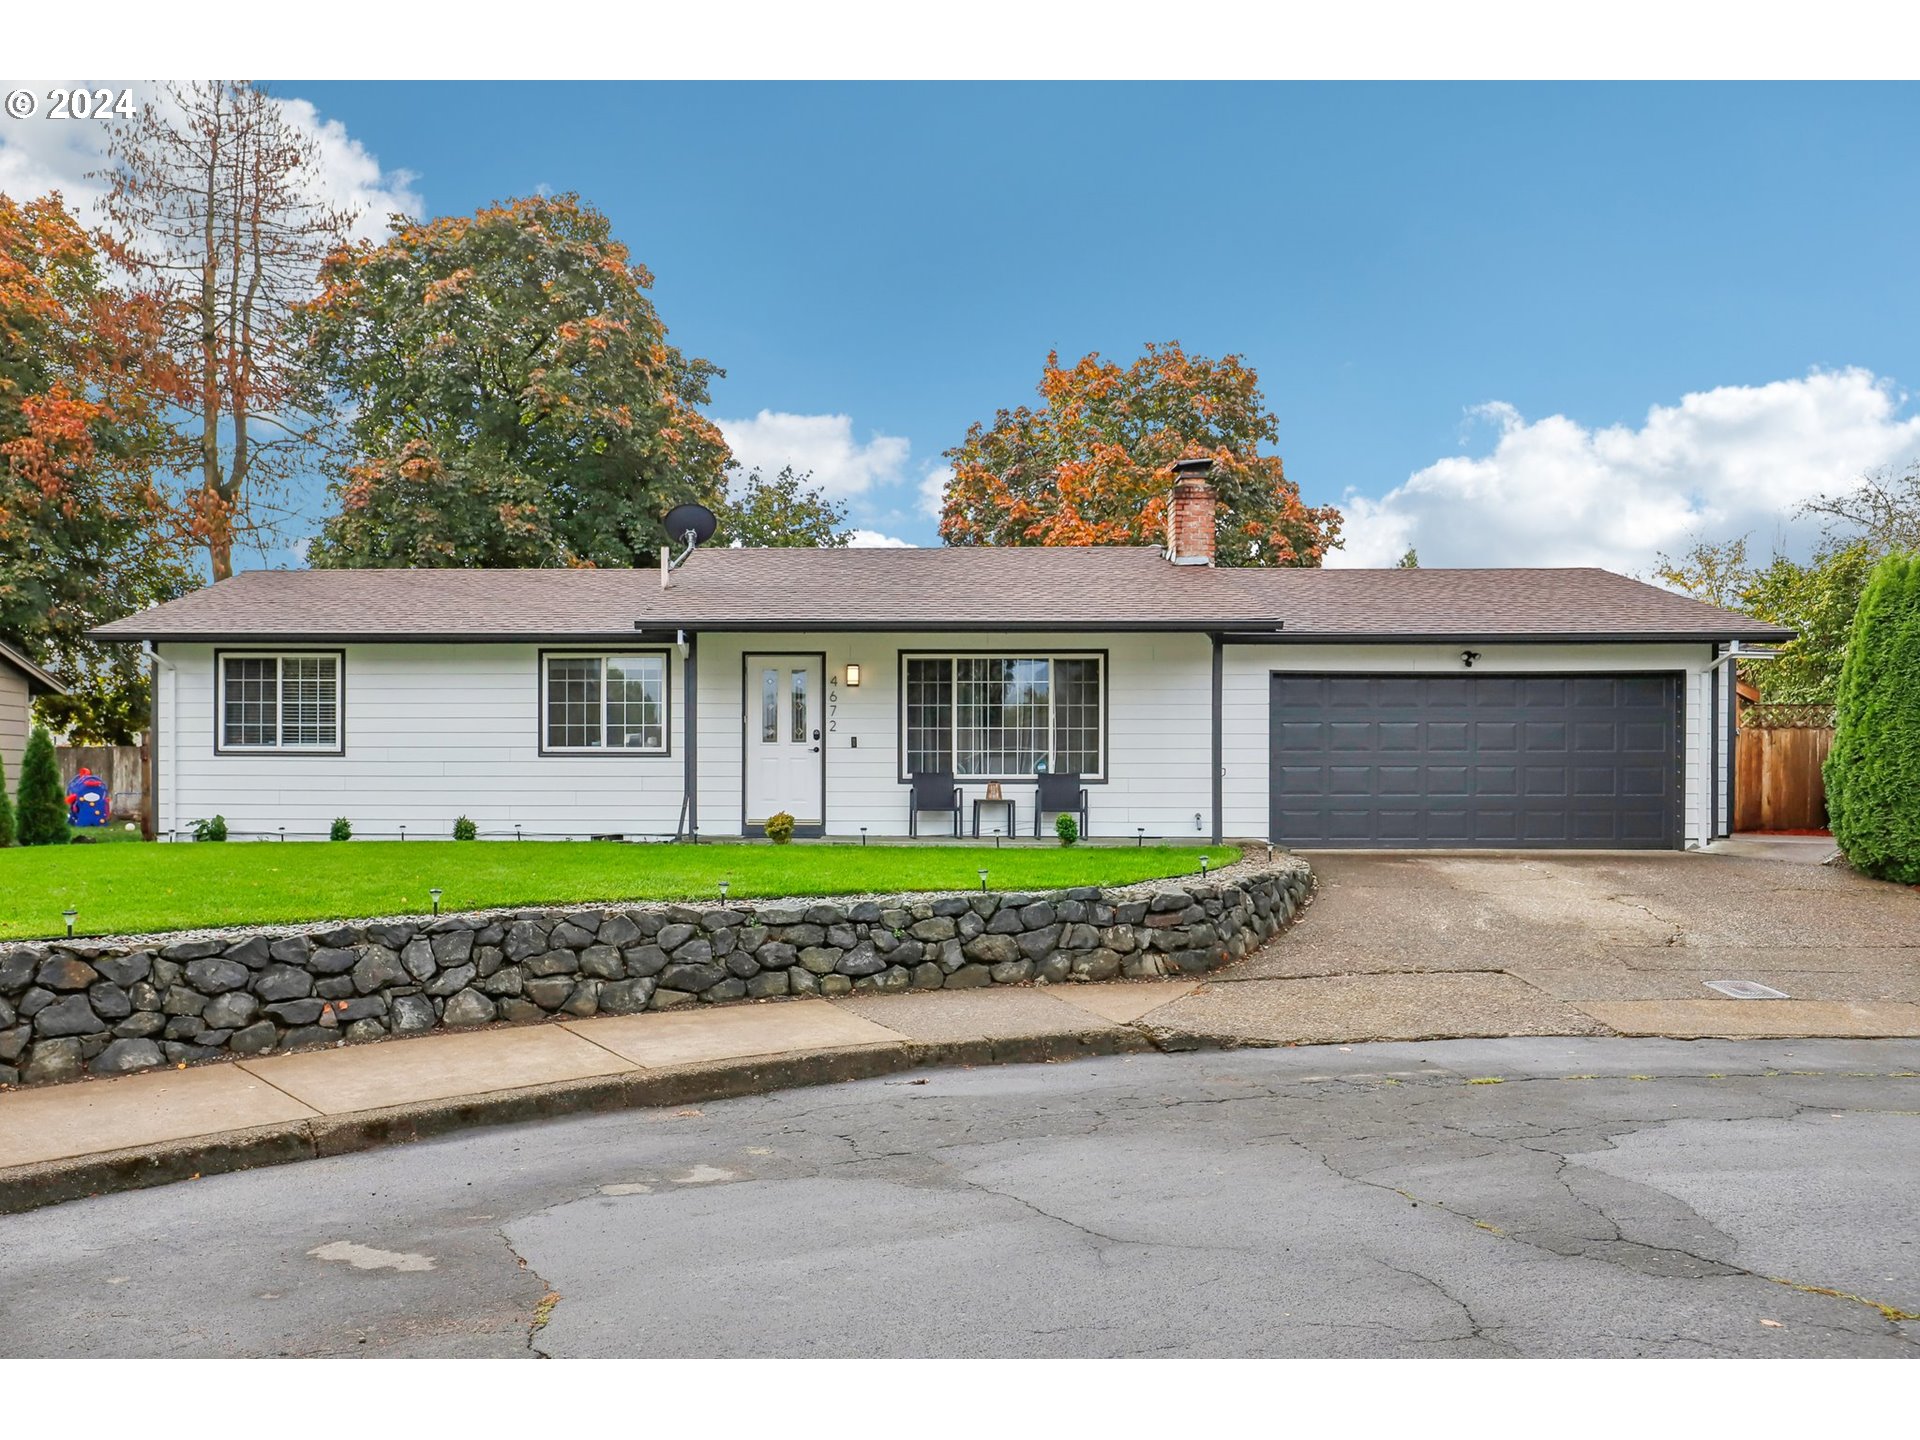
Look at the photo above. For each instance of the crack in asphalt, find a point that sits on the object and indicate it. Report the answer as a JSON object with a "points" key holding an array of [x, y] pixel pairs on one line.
{"points": [[1892, 1316]]}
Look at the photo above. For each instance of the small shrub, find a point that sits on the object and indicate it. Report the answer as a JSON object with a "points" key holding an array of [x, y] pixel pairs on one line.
{"points": [[1067, 828], [1873, 770], [206, 831], [41, 818], [780, 828], [342, 829], [465, 829]]}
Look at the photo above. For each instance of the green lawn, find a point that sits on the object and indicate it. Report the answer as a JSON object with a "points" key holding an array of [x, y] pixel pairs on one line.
{"points": [[129, 889]]}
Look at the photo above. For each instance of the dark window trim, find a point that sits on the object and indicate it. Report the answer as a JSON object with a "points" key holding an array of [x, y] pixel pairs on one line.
{"points": [[808, 832], [598, 752], [1004, 653], [259, 652], [1676, 813]]}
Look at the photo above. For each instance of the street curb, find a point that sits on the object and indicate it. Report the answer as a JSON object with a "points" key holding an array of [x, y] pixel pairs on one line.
{"points": [[53, 1182]]}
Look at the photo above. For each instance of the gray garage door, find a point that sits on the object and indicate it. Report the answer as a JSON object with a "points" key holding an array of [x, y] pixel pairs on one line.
{"points": [[1466, 760]]}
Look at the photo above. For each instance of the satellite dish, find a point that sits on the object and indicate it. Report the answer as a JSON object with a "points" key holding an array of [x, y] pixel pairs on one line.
{"points": [[694, 520]]}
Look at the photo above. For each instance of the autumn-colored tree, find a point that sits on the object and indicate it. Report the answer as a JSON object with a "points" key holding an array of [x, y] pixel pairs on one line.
{"points": [[514, 398], [1093, 464], [782, 511], [219, 208], [83, 538]]}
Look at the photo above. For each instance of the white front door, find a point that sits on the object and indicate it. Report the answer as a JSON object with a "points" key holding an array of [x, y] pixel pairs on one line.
{"points": [[784, 769]]}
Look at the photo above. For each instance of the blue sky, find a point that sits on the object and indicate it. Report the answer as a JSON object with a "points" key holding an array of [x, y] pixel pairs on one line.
{"points": [[1517, 322]]}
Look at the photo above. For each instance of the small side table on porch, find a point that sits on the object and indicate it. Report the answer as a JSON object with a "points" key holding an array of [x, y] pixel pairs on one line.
{"points": [[1012, 813]]}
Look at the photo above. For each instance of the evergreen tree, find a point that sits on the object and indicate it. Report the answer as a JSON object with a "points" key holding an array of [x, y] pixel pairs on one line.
{"points": [[42, 818], [1873, 771]]}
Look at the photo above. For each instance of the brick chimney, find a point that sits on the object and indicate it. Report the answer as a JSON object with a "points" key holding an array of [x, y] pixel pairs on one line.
{"points": [[1190, 514]]}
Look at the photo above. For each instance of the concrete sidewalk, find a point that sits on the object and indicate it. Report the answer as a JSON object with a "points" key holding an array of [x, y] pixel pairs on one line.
{"points": [[62, 1141]]}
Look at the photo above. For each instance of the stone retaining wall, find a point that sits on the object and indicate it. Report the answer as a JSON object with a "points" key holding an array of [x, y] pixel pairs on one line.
{"points": [[108, 1007]]}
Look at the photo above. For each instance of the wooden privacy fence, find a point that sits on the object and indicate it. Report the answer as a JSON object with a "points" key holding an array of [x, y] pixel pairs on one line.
{"points": [[123, 767], [1777, 783]]}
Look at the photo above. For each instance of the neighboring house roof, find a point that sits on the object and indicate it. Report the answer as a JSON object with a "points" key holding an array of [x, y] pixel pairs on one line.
{"points": [[959, 588], [39, 682]]}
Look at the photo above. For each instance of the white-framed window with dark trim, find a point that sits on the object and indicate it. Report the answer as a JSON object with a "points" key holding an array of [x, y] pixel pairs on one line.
{"points": [[604, 702], [1000, 717], [280, 701]]}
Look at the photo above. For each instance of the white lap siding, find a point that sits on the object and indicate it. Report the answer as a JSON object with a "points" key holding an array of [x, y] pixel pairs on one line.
{"points": [[1247, 693], [1156, 692], [431, 732]]}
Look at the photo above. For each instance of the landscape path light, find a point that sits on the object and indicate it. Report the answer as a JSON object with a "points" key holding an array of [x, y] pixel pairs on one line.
{"points": [[983, 882], [69, 915], [436, 892]]}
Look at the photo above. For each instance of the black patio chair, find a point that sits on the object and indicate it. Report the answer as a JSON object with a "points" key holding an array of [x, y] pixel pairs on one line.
{"points": [[933, 790], [1060, 795]]}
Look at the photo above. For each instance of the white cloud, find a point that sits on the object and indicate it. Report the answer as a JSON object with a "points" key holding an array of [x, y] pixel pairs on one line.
{"points": [[933, 490], [1725, 462], [874, 540], [822, 445], [39, 154]]}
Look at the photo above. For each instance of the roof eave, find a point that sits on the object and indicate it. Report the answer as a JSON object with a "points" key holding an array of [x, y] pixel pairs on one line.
{"points": [[39, 682]]}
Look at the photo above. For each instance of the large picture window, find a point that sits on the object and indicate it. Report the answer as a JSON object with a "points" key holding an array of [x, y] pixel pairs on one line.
{"points": [[605, 702], [280, 702], [999, 717]]}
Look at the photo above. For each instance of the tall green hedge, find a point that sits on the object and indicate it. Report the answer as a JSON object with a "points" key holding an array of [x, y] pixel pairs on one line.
{"points": [[1873, 771], [42, 815]]}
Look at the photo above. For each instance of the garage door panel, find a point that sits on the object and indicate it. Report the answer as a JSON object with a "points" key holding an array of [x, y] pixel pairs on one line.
{"points": [[1349, 780], [1475, 760], [1399, 734], [1497, 736]]}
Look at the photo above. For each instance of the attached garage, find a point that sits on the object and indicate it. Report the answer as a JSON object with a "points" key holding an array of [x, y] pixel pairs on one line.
{"points": [[1553, 761]]}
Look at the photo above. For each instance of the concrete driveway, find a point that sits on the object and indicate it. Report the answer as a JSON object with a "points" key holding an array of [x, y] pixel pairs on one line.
{"points": [[1410, 946]]}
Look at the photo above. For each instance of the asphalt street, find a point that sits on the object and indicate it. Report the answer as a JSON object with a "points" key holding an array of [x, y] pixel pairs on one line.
{"points": [[1555, 1197]]}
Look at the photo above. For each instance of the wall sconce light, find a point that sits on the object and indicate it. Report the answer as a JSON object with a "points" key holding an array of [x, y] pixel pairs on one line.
{"points": [[853, 676], [1467, 657], [436, 893]]}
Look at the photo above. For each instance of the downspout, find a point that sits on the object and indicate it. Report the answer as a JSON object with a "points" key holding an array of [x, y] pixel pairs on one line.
{"points": [[1733, 740], [690, 707], [1219, 767], [1713, 750], [161, 662]]}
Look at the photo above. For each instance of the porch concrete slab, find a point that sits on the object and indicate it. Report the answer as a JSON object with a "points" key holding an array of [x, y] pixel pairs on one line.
{"points": [[732, 1032], [1618, 983], [1373, 1007], [992, 1013], [61, 1121], [434, 1067], [1757, 1019], [1124, 1002]]}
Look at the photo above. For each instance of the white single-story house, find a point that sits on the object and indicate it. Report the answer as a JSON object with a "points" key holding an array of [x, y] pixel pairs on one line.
{"points": [[1315, 708]]}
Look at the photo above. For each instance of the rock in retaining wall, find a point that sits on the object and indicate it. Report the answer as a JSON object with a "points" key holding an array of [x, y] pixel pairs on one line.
{"points": [[110, 1007]]}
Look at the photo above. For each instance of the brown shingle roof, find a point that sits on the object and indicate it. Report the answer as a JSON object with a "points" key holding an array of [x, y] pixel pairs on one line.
{"points": [[934, 589]]}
